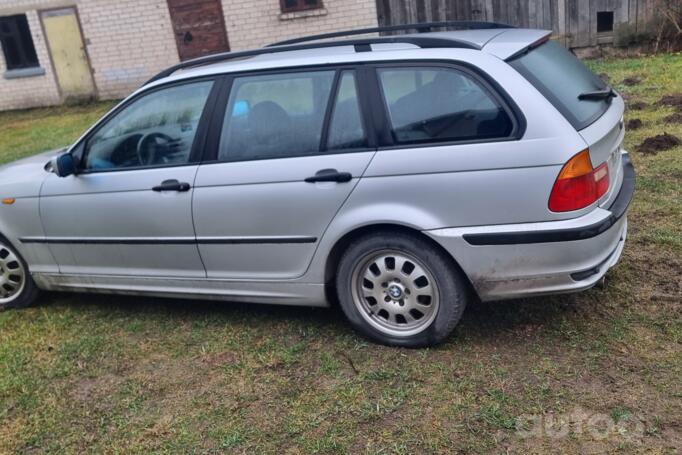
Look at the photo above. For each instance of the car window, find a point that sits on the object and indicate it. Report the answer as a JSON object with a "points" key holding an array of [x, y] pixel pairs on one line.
{"points": [[561, 77], [345, 128], [157, 129], [275, 116], [441, 104]]}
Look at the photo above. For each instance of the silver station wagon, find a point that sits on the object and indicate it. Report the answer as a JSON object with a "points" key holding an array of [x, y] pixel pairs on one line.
{"points": [[401, 176]]}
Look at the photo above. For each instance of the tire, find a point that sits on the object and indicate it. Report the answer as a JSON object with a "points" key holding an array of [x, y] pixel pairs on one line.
{"points": [[400, 290], [17, 288]]}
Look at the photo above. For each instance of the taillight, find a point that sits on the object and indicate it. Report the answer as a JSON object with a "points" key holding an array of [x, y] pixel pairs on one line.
{"points": [[578, 184]]}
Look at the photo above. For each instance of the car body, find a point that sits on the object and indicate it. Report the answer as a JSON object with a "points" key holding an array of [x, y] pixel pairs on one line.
{"points": [[233, 200]]}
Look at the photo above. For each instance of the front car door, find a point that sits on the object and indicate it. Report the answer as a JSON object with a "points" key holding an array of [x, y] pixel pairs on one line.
{"points": [[128, 212], [292, 148]]}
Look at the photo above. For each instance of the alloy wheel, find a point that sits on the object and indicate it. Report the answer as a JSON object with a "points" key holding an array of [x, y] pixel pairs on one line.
{"points": [[395, 293], [12, 275]]}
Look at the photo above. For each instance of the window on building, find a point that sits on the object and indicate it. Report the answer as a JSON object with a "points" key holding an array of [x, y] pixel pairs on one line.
{"points": [[604, 21], [17, 43], [289, 6]]}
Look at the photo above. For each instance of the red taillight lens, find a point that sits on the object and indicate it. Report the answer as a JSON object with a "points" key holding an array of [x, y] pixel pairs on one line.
{"points": [[578, 184]]}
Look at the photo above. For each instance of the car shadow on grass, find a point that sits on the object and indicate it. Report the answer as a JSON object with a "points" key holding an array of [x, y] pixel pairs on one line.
{"points": [[483, 321]]}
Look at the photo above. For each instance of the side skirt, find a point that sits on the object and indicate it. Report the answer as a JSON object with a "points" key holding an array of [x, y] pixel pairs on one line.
{"points": [[270, 292]]}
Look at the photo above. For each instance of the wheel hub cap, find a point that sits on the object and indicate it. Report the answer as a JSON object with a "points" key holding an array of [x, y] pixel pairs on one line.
{"points": [[395, 293]]}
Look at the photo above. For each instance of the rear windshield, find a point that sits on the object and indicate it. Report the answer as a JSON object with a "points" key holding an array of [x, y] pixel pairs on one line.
{"points": [[561, 77]]}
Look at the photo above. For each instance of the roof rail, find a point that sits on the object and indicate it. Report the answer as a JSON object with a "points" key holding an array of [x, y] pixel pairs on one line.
{"points": [[359, 44], [419, 27]]}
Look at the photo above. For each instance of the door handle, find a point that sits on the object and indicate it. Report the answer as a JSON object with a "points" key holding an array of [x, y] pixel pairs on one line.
{"points": [[172, 185], [330, 175]]}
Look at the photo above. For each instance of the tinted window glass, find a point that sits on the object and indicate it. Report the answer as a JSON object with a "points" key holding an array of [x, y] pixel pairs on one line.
{"points": [[155, 130], [345, 129], [275, 116], [441, 104], [561, 77]]}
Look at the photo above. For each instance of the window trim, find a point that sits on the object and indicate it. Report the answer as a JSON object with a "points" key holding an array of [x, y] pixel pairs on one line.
{"points": [[24, 54], [199, 143], [300, 6], [331, 107], [213, 148], [328, 112], [491, 86]]}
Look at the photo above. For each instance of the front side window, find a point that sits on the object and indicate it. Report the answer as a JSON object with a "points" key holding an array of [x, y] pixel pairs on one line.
{"points": [[275, 116], [157, 129], [17, 43], [441, 104]]}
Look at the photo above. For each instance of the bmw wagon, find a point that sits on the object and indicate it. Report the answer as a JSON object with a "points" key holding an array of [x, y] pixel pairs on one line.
{"points": [[399, 177]]}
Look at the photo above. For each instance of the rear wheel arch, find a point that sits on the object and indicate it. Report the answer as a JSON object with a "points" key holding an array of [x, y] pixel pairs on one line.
{"points": [[342, 244]]}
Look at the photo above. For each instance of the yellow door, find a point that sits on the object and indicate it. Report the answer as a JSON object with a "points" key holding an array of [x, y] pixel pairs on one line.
{"points": [[68, 53]]}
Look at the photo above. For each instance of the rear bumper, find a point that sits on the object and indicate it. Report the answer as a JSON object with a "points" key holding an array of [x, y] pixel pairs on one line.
{"points": [[518, 260]]}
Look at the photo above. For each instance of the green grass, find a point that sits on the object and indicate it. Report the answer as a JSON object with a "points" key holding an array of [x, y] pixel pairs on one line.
{"points": [[93, 374], [26, 132]]}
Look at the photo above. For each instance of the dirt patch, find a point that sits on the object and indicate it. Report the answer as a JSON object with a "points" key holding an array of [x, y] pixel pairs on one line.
{"points": [[671, 100], [219, 359], [638, 105], [631, 81], [673, 118], [655, 144], [634, 124]]}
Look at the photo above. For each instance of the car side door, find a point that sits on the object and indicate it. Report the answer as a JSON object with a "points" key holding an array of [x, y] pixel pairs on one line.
{"points": [[127, 211], [293, 145]]}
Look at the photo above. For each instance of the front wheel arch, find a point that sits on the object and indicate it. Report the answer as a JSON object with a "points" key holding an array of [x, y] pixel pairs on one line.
{"points": [[30, 291]]}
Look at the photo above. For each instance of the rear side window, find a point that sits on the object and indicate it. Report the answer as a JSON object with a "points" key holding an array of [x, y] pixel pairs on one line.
{"points": [[275, 116], [561, 77], [441, 104]]}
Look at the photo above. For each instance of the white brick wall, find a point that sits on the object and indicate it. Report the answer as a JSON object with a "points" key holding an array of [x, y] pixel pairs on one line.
{"points": [[128, 41], [254, 23], [30, 91]]}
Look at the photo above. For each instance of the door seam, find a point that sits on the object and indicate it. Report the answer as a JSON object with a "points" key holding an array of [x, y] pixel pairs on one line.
{"points": [[324, 232]]}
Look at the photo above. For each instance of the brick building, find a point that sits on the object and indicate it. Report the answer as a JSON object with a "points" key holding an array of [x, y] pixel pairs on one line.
{"points": [[54, 50]]}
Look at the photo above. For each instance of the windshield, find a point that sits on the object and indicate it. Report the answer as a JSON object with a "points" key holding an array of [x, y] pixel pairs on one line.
{"points": [[561, 78]]}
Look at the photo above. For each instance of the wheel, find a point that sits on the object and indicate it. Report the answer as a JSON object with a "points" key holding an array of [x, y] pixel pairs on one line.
{"points": [[400, 290], [17, 289]]}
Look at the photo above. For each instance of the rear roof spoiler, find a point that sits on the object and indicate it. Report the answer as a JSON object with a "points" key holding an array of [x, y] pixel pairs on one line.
{"points": [[515, 42]]}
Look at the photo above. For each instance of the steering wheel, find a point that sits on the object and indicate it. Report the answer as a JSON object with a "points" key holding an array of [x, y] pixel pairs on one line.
{"points": [[150, 144], [434, 127]]}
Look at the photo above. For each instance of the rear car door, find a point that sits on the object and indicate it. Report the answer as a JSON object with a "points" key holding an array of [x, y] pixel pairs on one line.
{"points": [[127, 211], [292, 147]]}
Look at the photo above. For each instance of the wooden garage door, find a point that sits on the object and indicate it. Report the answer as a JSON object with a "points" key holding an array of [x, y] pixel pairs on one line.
{"points": [[199, 27]]}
